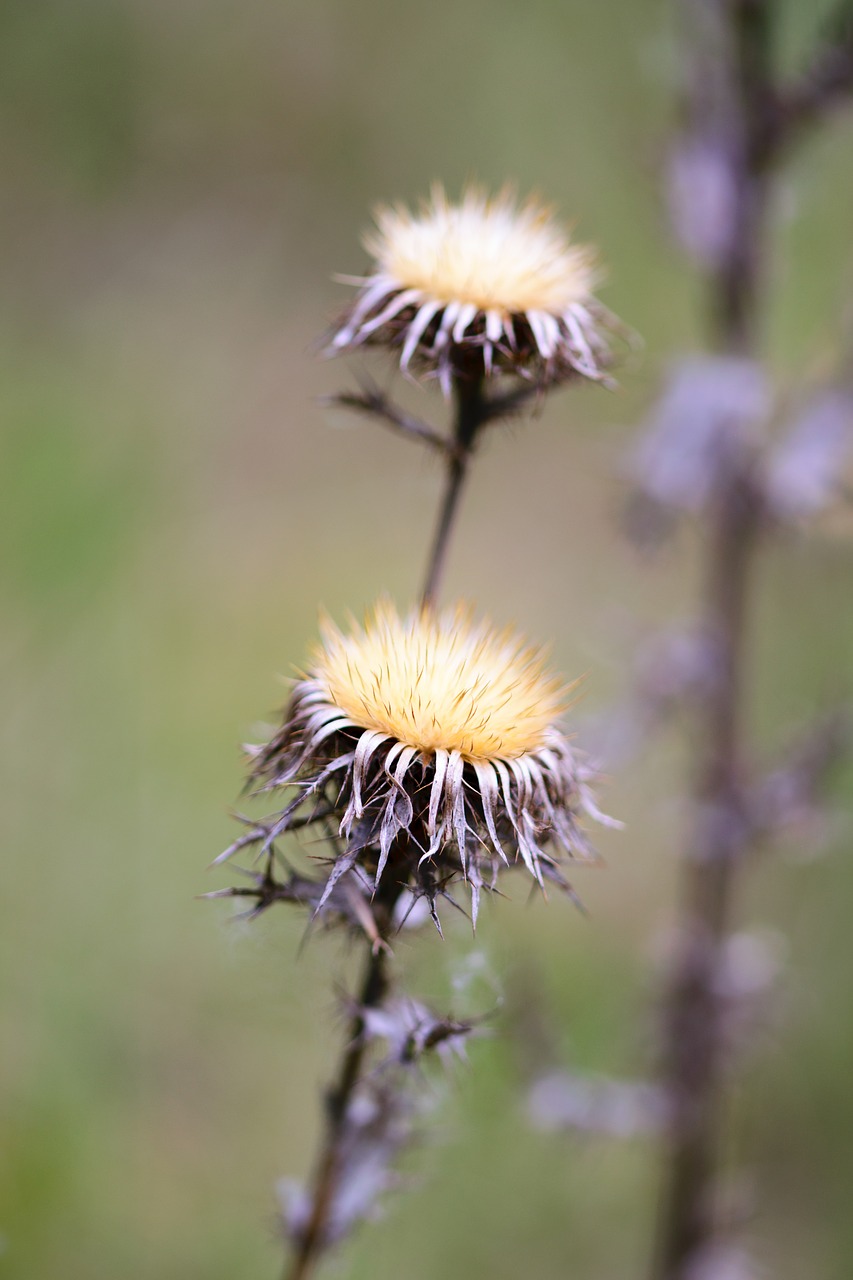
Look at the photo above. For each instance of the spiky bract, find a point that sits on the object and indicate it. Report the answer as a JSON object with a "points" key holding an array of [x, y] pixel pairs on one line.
{"points": [[431, 742], [484, 286]]}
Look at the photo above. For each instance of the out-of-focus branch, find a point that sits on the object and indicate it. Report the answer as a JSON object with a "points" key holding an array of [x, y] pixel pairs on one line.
{"points": [[731, 96], [825, 83], [313, 1238], [374, 402]]}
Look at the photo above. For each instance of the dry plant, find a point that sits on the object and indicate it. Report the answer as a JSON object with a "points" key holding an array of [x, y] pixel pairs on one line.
{"points": [[424, 747], [728, 450], [741, 121]]}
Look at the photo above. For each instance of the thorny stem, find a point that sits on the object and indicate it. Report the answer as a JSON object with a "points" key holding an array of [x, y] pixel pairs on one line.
{"points": [[313, 1238], [826, 81], [694, 1058], [373, 401], [732, 87], [472, 410], [742, 109]]}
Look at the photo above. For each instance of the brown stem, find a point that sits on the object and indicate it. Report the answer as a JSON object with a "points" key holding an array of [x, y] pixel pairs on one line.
{"points": [[694, 1031], [826, 81], [745, 95], [313, 1238], [373, 401], [737, 93], [471, 413], [472, 410]]}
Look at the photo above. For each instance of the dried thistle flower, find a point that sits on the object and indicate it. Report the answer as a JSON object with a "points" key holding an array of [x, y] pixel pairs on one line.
{"points": [[482, 286], [432, 740]]}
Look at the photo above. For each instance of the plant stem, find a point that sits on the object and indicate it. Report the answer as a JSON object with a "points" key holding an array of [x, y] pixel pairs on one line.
{"points": [[694, 1055], [313, 1239], [694, 1032], [471, 413]]}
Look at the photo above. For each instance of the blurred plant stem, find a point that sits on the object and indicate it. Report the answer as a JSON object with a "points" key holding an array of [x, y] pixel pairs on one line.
{"points": [[314, 1237], [742, 122]]}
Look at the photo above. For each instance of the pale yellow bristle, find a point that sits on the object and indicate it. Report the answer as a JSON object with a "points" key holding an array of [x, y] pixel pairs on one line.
{"points": [[440, 681], [485, 252]]}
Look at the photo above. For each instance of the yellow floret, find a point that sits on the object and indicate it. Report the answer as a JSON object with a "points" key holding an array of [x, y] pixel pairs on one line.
{"points": [[440, 681], [485, 252]]}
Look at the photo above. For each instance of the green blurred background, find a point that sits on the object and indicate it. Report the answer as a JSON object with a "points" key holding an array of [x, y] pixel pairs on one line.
{"points": [[180, 180]]}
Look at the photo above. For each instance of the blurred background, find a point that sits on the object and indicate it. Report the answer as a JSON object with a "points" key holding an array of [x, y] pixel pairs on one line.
{"points": [[180, 181]]}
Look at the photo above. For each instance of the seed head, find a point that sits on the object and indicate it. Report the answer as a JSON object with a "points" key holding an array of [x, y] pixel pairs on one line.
{"points": [[440, 682], [482, 286], [432, 740]]}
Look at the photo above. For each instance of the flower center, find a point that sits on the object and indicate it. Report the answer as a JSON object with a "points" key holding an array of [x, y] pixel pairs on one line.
{"points": [[483, 252], [440, 681]]}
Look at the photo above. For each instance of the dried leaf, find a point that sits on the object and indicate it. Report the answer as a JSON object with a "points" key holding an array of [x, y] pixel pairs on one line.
{"points": [[788, 799], [805, 473], [709, 406], [614, 1108], [702, 198]]}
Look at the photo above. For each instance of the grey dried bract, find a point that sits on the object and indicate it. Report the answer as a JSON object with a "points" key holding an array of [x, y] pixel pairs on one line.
{"points": [[411, 1031], [378, 1125], [809, 468], [423, 821], [710, 406], [546, 354], [566, 1100], [382, 1118]]}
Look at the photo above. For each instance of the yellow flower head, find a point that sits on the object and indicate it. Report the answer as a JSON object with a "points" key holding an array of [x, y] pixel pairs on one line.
{"points": [[484, 253], [482, 283], [432, 739], [440, 681]]}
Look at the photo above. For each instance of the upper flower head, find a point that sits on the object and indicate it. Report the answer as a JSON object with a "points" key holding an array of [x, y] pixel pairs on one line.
{"points": [[480, 283], [433, 741]]}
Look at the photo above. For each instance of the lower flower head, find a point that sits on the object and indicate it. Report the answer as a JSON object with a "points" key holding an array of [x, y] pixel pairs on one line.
{"points": [[440, 682], [482, 286], [433, 741]]}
